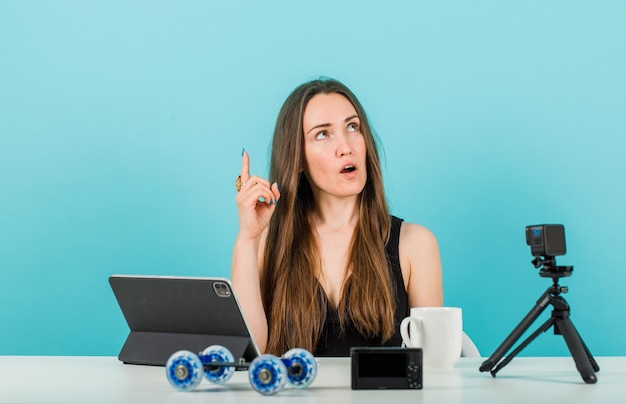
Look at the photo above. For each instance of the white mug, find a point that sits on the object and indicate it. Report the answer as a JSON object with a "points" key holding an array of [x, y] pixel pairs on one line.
{"points": [[438, 331]]}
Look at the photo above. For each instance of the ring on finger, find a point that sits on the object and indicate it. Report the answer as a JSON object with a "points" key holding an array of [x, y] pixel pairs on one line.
{"points": [[239, 183]]}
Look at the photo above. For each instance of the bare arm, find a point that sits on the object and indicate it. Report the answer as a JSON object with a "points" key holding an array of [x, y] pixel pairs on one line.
{"points": [[246, 267], [421, 266], [245, 276]]}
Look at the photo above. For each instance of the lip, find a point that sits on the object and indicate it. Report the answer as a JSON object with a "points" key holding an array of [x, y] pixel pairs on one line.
{"points": [[350, 174], [348, 163]]}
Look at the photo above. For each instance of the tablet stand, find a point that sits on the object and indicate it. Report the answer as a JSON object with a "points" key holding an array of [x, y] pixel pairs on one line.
{"points": [[154, 348], [585, 363]]}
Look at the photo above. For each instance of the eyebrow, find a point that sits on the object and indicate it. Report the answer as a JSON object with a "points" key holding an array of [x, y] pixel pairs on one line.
{"points": [[326, 125]]}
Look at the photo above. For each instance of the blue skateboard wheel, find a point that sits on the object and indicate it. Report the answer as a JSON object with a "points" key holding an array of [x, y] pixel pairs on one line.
{"points": [[219, 374], [301, 367], [267, 374], [184, 370]]}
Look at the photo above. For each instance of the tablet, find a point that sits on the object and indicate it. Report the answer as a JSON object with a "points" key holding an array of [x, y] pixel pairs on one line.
{"points": [[166, 314]]}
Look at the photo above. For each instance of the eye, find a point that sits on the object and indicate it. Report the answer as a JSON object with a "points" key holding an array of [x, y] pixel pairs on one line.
{"points": [[321, 135], [353, 127]]}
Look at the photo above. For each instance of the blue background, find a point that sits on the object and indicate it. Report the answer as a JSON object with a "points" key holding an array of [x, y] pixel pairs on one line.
{"points": [[122, 125]]}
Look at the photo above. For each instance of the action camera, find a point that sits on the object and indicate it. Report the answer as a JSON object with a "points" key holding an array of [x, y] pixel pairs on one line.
{"points": [[547, 240]]}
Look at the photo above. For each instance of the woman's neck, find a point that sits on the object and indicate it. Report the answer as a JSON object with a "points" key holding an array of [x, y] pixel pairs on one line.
{"points": [[336, 212]]}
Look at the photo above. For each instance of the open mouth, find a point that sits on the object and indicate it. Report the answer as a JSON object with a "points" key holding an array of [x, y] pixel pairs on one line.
{"points": [[348, 169]]}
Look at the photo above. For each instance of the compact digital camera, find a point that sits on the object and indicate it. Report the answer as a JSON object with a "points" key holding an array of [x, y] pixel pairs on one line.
{"points": [[386, 368]]}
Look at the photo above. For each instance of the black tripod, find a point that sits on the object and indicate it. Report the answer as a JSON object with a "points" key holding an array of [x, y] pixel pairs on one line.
{"points": [[585, 363]]}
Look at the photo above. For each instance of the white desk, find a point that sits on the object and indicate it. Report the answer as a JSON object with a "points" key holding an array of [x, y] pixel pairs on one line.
{"points": [[36, 379]]}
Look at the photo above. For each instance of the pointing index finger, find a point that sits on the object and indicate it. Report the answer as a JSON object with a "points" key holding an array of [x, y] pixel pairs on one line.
{"points": [[245, 166]]}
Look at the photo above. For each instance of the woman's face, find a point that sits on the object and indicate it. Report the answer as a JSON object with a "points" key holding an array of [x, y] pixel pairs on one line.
{"points": [[334, 148]]}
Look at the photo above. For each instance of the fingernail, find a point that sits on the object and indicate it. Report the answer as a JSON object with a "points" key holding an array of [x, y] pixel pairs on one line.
{"points": [[277, 187], [243, 151]]}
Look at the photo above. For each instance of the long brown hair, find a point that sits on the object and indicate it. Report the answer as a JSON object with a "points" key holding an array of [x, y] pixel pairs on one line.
{"points": [[293, 298]]}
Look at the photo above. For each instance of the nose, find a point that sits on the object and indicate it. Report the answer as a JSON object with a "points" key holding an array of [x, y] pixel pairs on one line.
{"points": [[344, 147]]}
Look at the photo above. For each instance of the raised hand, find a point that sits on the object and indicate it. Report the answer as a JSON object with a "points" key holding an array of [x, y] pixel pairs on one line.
{"points": [[256, 201]]}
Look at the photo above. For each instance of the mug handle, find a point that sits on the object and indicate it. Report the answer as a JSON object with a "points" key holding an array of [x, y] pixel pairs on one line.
{"points": [[404, 332]]}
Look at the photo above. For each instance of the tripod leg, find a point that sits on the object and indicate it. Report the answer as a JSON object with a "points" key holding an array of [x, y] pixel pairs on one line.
{"points": [[517, 332], [543, 328], [582, 357], [592, 360]]}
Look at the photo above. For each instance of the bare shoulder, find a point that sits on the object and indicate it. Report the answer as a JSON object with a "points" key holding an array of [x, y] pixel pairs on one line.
{"points": [[421, 265], [416, 236]]}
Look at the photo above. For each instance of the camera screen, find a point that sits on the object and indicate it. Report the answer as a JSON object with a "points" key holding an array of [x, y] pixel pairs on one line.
{"points": [[382, 365]]}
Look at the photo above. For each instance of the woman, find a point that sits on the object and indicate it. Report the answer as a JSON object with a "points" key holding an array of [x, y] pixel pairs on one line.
{"points": [[327, 267]]}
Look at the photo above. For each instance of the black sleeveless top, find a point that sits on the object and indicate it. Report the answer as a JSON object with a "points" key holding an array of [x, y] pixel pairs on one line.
{"points": [[334, 343]]}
